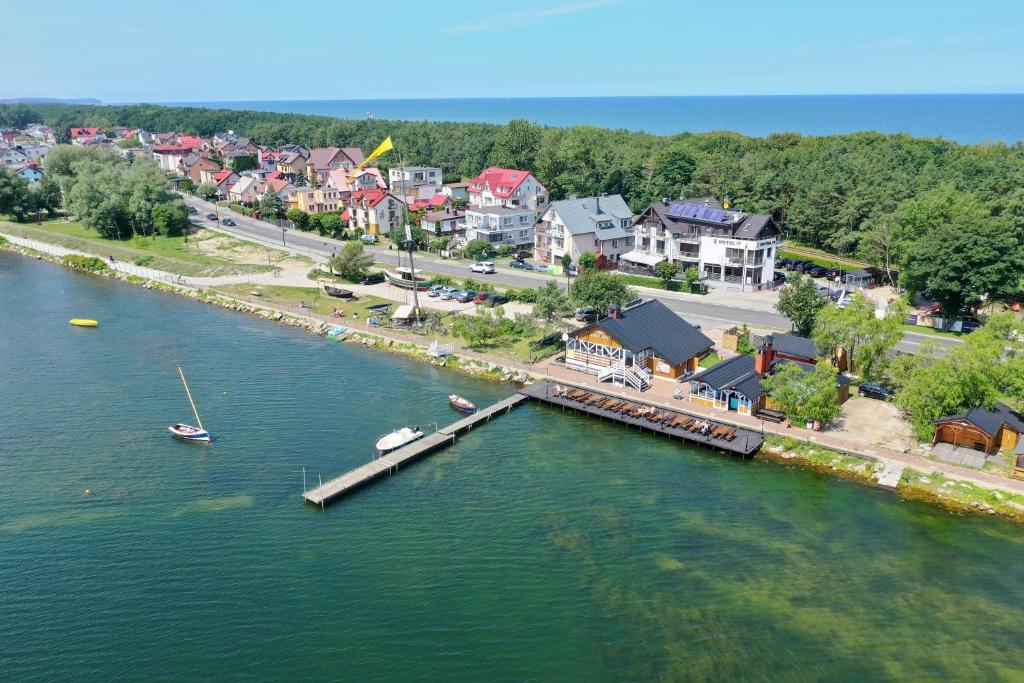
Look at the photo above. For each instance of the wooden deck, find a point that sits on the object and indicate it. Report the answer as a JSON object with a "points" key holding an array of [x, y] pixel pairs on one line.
{"points": [[353, 479], [743, 442]]}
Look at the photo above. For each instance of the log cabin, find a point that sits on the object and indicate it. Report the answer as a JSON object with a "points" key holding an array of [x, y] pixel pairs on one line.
{"points": [[981, 429]]}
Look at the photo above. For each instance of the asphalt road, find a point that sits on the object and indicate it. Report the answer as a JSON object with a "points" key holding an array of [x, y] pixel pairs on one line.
{"points": [[701, 313]]}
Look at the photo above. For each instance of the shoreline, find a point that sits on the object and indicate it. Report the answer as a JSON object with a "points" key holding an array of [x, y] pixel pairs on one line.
{"points": [[949, 492]]}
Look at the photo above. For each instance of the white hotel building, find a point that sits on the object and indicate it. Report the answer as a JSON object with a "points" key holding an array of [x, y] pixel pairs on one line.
{"points": [[731, 249]]}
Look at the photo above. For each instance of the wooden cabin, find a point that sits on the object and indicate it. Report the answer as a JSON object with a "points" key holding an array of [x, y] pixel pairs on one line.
{"points": [[637, 343], [981, 429]]}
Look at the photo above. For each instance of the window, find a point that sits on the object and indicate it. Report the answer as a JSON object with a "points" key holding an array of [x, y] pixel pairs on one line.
{"points": [[624, 223], [524, 219], [615, 244], [523, 233]]}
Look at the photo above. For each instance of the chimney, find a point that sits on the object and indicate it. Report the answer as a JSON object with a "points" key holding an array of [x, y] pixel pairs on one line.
{"points": [[765, 356], [614, 312]]}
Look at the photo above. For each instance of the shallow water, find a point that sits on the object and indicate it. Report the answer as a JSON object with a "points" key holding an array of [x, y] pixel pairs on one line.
{"points": [[543, 546]]}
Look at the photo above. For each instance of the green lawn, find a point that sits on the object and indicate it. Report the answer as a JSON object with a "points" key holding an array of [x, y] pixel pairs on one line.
{"points": [[710, 360], [932, 331], [315, 297], [172, 254]]}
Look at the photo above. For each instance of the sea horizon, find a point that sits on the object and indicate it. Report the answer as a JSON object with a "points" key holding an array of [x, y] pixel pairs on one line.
{"points": [[964, 118]]}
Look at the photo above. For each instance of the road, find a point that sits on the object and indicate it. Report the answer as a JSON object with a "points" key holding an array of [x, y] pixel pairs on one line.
{"points": [[703, 313]]}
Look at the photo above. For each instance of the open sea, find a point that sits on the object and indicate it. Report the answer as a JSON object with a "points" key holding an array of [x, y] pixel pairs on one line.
{"points": [[962, 118], [542, 546]]}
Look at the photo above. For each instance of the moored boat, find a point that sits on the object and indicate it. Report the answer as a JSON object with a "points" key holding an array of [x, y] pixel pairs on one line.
{"points": [[398, 438], [84, 322], [403, 277], [186, 432], [461, 404], [338, 292]]}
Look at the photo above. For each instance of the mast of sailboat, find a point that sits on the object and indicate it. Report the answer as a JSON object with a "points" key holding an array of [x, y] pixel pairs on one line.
{"points": [[189, 394], [410, 245]]}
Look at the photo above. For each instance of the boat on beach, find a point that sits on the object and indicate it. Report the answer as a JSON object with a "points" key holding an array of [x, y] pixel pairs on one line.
{"points": [[461, 404], [338, 292], [403, 277], [84, 322], [398, 438], [185, 432]]}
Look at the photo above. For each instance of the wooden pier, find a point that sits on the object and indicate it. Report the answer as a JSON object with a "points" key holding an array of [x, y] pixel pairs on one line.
{"points": [[889, 478], [353, 479], [736, 440]]}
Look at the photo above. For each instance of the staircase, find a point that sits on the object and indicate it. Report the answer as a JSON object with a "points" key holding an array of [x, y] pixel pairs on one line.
{"points": [[635, 377]]}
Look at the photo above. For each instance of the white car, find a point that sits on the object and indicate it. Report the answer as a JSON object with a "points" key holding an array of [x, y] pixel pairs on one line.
{"points": [[485, 267]]}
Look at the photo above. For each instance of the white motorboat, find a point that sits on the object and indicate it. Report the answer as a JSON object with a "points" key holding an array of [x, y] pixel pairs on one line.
{"points": [[398, 438]]}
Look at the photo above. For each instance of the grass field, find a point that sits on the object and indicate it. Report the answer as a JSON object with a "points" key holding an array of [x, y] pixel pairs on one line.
{"points": [[314, 297], [172, 254]]}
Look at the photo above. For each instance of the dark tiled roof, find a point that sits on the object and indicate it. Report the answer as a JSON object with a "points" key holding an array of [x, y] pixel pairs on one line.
{"points": [[841, 379], [737, 374], [989, 421], [792, 345], [652, 325]]}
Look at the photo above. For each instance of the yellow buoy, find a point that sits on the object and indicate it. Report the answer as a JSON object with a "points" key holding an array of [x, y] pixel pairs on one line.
{"points": [[84, 322], [88, 492]]}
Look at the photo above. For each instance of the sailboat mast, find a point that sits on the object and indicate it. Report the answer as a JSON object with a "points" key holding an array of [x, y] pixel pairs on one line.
{"points": [[189, 394]]}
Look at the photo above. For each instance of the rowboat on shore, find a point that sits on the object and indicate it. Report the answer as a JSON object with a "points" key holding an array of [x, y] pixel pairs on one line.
{"points": [[460, 404], [184, 432], [84, 322], [403, 277], [338, 292], [398, 438]]}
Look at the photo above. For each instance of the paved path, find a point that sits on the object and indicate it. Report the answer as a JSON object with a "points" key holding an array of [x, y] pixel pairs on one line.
{"points": [[717, 309]]}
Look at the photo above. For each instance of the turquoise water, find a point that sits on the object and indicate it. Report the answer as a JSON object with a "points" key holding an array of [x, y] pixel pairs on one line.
{"points": [[963, 118], [543, 546]]}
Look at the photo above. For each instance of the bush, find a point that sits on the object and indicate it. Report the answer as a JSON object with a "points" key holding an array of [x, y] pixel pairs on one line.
{"points": [[443, 280], [144, 260], [476, 285], [3, 240], [89, 264], [506, 250], [526, 295], [244, 210]]}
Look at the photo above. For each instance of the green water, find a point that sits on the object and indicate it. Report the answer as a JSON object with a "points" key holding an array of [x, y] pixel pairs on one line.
{"points": [[543, 546]]}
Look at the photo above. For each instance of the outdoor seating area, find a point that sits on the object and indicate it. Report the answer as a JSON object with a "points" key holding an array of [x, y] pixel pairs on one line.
{"points": [[648, 416]]}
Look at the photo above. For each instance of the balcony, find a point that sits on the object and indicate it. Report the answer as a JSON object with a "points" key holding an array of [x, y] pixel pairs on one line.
{"points": [[688, 238]]}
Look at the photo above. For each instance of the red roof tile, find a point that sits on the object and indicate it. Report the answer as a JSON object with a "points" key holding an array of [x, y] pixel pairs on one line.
{"points": [[370, 197], [502, 182]]}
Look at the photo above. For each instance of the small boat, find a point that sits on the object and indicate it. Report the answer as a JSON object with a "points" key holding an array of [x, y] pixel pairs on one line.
{"points": [[84, 322], [461, 404], [398, 438], [184, 432], [338, 292], [403, 277]]}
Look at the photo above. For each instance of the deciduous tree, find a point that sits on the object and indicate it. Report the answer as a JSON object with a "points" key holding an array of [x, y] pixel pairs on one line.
{"points": [[352, 263], [598, 289], [799, 301]]}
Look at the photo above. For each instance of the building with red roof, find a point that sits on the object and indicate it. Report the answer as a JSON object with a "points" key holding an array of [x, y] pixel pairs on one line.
{"points": [[376, 212], [84, 132], [507, 187]]}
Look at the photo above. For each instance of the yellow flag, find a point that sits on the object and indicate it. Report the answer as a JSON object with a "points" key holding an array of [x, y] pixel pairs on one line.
{"points": [[381, 148]]}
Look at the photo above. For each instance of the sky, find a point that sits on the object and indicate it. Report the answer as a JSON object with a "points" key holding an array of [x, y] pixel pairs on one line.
{"points": [[195, 50]]}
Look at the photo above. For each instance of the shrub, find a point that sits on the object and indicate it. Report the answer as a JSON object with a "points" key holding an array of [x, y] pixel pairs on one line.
{"points": [[144, 260], [526, 295], [476, 285], [444, 280], [89, 264]]}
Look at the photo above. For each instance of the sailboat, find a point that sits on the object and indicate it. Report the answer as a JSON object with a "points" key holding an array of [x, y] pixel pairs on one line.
{"points": [[186, 432]]}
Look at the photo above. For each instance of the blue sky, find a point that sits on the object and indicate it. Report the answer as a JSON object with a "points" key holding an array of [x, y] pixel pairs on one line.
{"points": [[154, 50]]}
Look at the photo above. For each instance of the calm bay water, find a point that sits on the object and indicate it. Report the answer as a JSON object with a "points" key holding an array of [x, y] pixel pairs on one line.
{"points": [[543, 546], [963, 118]]}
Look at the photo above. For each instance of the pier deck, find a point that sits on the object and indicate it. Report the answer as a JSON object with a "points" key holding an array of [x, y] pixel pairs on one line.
{"points": [[355, 478], [745, 442]]}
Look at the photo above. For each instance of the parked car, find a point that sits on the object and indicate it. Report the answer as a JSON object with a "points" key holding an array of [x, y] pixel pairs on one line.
{"points": [[450, 293], [369, 239], [496, 300], [779, 276], [822, 291], [372, 278], [834, 273], [465, 296], [587, 315], [435, 290], [793, 264], [193, 209], [211, 216], [480, 297], [521, 265], [816, 271], [485, 267], [228, 221], [837, 294], [875, 390]]}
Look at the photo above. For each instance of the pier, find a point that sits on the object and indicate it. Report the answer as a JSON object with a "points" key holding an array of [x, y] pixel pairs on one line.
{"points": [[636, 413], [340, 486]]}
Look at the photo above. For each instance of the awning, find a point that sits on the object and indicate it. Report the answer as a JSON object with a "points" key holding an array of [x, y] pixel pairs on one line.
{"points": [[642, 257], [403, 312]]}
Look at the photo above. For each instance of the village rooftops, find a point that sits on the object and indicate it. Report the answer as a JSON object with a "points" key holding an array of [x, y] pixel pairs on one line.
{"points": [[792, 345], [594, 215], [736, 374], [707, 212], [989, 421], [651, 324]]}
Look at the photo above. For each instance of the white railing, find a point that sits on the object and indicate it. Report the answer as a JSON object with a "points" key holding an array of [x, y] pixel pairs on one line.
{"points": [[635, 377]]}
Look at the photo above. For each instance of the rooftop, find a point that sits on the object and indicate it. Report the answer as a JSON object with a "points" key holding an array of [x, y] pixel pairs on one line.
{"points": [[652, 325]]}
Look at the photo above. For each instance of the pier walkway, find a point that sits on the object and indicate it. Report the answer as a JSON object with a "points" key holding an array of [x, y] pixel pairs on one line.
{"points": [[352, 479]]}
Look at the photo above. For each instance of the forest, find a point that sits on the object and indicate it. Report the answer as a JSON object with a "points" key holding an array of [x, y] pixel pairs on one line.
{"points": [[850, 194]]}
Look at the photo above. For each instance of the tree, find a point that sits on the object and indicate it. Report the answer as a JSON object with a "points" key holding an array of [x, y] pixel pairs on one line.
{"points": [[743, 343], [14, 195], [566, 261], [598, 289], [352, 263], [477, 249], [170, 219], [800, 302], [588, 259], [271, 205], [963, 263], [692, 276], [805, 395], [48, 197], [517, 145], [206, 190], [331, 225], [244, 163], [552, 303], [666, 270], [143, 186], [299, 218], [506, 250], [477, 329], [440, 244], [857, 330]]}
